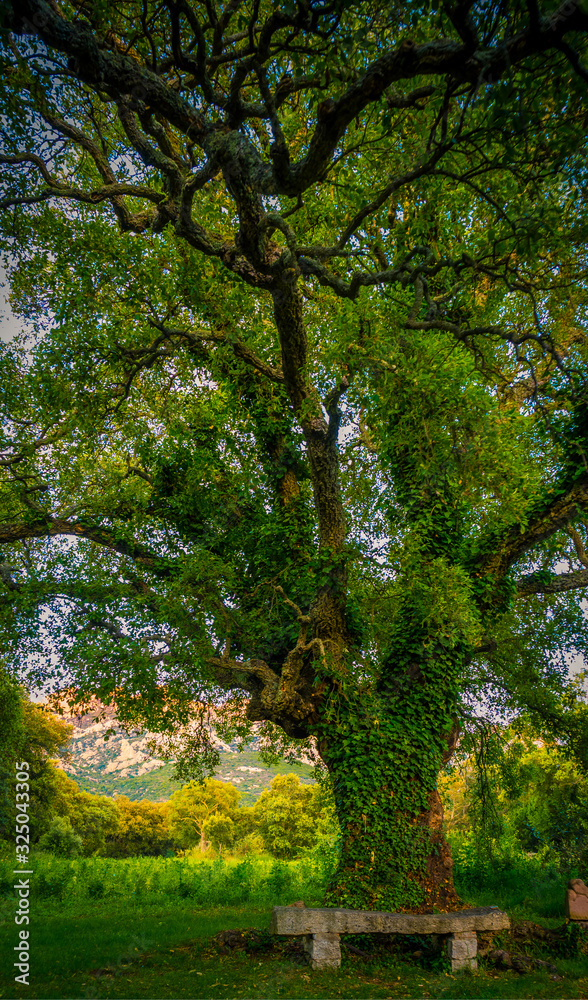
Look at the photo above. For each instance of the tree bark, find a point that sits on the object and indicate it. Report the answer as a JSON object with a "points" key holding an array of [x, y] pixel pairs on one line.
{"points": [[320, 434]]}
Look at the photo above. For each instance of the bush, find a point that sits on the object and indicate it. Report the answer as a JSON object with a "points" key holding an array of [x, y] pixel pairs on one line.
{"points": [[509, 875], [292, 818], [60, 839], [249, 845], [47, 887], [96, 889]]}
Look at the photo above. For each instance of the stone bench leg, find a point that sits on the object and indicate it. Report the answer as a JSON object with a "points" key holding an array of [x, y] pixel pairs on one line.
{"points": [[323, 950], [462, 949]]}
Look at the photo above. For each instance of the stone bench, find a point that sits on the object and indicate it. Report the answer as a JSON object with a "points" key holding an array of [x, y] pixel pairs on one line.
{"points": [[321, 929]]}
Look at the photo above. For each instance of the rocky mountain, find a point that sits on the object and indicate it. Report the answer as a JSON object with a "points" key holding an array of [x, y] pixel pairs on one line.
{"points": [[106, 760]]}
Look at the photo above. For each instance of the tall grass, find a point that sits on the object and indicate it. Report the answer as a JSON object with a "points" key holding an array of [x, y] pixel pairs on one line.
{"points": [[217, 883], [513, 881], [510, 878]]}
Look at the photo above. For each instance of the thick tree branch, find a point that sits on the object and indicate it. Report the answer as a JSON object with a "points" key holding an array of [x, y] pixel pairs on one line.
{"points": [[578, 545], [240, 349], [512, 544], [257, 668], [443, 58], [328, 613], [51, 527], [113, 192], [556, 583], [461, 18], [404, 273], [106, 70], [127, 219], [118, 74]]}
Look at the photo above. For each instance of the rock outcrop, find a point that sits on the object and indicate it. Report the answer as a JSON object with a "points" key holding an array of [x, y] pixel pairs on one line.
{"points": [[577, 900]]}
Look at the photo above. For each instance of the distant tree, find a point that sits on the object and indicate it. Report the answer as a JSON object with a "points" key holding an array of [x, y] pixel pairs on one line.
{"points": [[142, 829], [11, 718], [247, 837], [247, 844], [286, 820], [46, 737], [11, 735], [193, 805], [219, 830], [61, 839], [93, 817], [95, 820], [301, 426], [544, 801], [525, 794], [455, 789]]}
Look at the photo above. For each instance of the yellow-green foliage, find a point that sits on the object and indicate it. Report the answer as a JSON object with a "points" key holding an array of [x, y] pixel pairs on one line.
{"points": [[192, 807], [288, 818], [303, 380], [30, 733], [292, 817], [536, 800], [215, 882], [142, 828], [95, 818], [455, 788]]}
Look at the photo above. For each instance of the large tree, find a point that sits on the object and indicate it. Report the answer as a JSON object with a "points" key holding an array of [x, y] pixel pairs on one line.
{"points": [[297, 425]]}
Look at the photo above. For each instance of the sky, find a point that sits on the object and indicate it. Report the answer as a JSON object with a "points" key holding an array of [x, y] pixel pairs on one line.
{"points": [[9, 324]]}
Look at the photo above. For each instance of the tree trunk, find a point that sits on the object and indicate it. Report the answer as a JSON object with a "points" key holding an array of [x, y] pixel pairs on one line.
{"points": [[393, 857], [383, 746], [384, 770]]}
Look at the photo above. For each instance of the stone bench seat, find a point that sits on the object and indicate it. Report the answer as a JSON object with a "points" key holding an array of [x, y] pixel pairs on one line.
{"points": [[321, 929]]}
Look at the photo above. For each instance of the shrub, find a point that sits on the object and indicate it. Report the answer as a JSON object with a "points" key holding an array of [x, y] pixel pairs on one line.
{"points": [[96, 889], [61, 839]]}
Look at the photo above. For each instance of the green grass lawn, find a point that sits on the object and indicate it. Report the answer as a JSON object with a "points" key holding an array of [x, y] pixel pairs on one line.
{"points": [[162, 948]]}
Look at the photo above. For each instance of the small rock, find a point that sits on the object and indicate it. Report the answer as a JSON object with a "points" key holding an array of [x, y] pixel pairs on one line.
{"points": [[521, 963], [231, 939], [500, 957], [547, 965]]}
